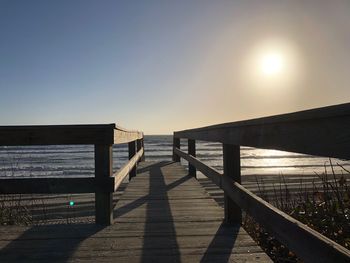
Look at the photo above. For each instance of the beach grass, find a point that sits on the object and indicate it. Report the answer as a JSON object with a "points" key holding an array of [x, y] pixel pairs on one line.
{"points": [[325, 208]]}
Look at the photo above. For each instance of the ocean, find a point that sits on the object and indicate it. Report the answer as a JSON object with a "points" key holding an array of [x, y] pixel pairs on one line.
{"points": [[78, 161]]}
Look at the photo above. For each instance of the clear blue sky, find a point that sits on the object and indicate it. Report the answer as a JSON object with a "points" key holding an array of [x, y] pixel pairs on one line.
{"points": [[160, 66]]}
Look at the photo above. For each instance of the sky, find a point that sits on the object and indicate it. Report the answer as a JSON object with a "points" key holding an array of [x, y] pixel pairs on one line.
{"points": [[161, 66]]}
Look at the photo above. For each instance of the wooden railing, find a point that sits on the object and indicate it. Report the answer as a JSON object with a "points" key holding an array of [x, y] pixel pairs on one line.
{"points": [[322, 132], [103, 184]]}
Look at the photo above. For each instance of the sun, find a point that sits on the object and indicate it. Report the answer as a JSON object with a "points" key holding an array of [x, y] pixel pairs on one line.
{"points": [[272, 63]]}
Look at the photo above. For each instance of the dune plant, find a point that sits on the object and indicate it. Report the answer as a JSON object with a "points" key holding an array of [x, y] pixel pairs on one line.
{"points": [[324, 207]]}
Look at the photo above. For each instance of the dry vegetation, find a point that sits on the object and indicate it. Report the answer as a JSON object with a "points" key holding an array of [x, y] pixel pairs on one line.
{"points": [[326, 208]]}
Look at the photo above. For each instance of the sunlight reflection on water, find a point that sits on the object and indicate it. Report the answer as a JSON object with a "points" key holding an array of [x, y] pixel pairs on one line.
{"points": [[65, 161]]}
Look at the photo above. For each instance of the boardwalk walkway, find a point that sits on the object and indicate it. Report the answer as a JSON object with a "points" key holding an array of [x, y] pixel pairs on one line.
{"points": [[163, 216]]}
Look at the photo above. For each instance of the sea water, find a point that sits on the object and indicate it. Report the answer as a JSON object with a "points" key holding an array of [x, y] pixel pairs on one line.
{"points": [[78, 160]]}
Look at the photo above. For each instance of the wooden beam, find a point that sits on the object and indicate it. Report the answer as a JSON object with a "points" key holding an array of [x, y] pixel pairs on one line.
{"points": [[176, 144], [307, 243], [56, 134], [321, 132], [132, 151], [232, 169], [143, 152], [55, 185], [126, 168], [139, 146], [124, 136], [206, 170], [191, 151], [103, 170]]}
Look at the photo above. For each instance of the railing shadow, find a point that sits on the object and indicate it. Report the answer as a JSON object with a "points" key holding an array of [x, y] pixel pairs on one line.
{"points": [[142, 200], [158, 211], [220, 248], [45, 243], [159, 237]]}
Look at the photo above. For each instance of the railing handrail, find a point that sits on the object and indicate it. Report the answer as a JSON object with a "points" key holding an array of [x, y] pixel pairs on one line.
{"points": [[102, 136], [333, 111], [327, 127], [66, 134], [327, 134]]}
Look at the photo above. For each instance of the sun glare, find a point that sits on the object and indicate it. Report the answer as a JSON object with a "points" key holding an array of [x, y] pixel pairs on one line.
{"points": [[272, 63]]}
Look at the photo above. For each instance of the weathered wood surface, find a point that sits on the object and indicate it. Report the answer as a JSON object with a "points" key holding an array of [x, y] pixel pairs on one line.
{"points": [[307, 243], [232, 169], [66, 134], [191, 151], [57, 134], [123, 136], [176, 144], [322, 132], [164, 215], [103, 171], [126, 168], [132, 152]]}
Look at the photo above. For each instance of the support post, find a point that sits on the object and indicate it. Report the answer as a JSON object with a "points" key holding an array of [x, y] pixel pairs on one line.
{"points": [[132, 151], [232, 169], [143, 146], [192, 151], [138, 146], [176, 144], [142, 159], [103, 170]]}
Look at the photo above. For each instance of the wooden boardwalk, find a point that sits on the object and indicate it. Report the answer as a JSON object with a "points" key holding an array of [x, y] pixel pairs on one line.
{"points": [[164, 215]]}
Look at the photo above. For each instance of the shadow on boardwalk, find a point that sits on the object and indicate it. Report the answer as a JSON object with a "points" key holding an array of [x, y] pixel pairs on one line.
{"points": [[45, 243], [161, 221], [163, 216]]}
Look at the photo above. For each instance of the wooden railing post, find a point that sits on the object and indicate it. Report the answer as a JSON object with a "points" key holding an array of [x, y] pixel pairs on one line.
{"points": [[176, 144], [142, 159], [138, 146], [232, 169], [103, 169], [132, 151], [191, 151]]}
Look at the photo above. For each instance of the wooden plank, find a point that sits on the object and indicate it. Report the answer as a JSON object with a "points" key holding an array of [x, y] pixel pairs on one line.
{"points": [[131, 152], [56, 134], [56, 185], [167, 229], [232, 169], [206, 170], [307, 243], [168, 256], [126, 168], [159, 206], [139, 146], [143, 147], [191, 151], [103, 169], [176, 144], [321, 132], [124, 136]]}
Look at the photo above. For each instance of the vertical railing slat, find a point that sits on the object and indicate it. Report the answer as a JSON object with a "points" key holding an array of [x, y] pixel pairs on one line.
{"points": [[103, 169], [139, 146], [191, 151], [232, 169], [176, 144], [132, 151], [142, 159]]}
